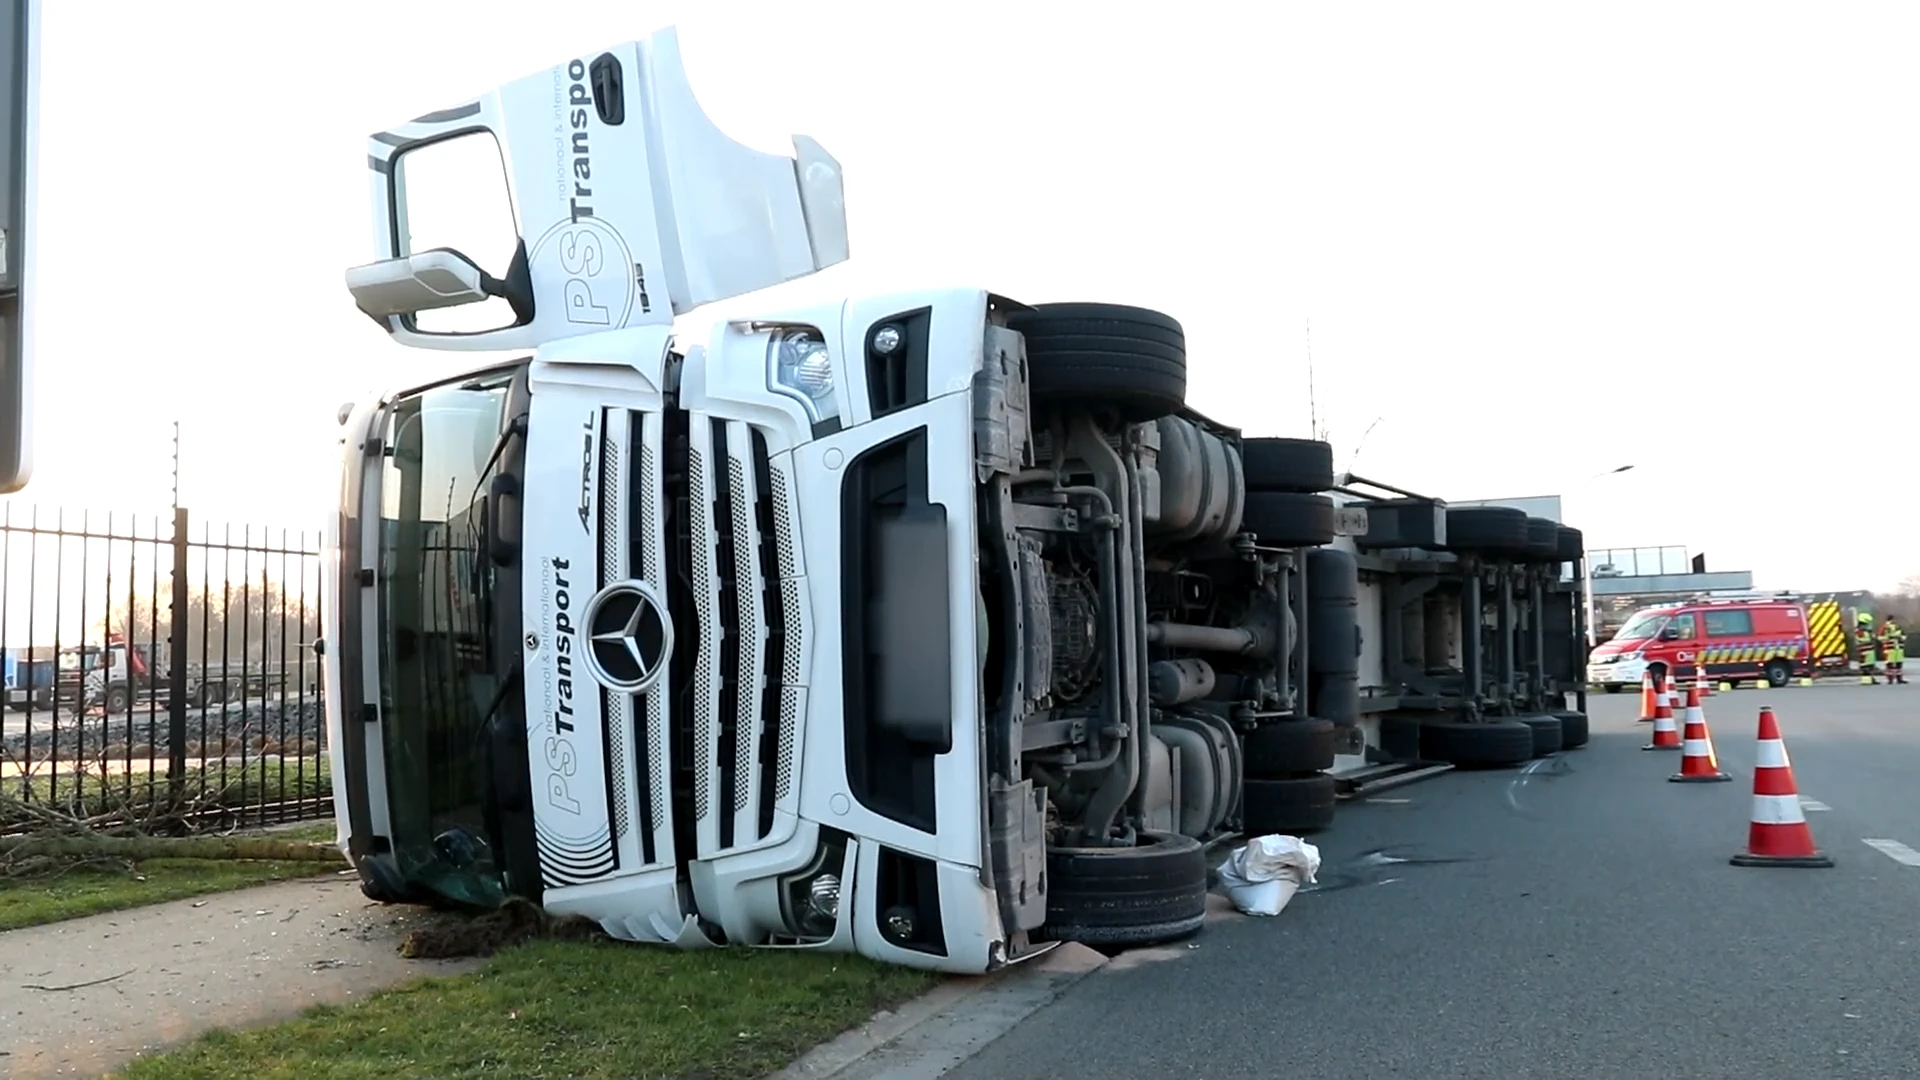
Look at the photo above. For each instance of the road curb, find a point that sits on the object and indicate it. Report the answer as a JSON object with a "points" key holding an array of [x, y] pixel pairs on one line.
{"points": [[938, 1030]]}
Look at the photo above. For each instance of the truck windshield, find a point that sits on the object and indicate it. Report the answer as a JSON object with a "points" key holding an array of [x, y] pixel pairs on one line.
{"points": [[1644, 624], [437, 667]]}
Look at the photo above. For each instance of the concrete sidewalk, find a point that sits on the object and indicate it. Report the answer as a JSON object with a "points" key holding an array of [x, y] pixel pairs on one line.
{"points": [[84, 997]]}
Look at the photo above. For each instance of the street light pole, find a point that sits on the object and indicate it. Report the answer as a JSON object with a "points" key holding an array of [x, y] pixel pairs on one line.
{"points": [[1586, 563]]}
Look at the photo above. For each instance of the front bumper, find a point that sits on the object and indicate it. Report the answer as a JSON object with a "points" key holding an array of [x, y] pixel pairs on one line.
{"points": [[1616, 672]]}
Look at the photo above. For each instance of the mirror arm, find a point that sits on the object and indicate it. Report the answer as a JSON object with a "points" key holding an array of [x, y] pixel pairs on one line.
{"points": [[517, 287]]}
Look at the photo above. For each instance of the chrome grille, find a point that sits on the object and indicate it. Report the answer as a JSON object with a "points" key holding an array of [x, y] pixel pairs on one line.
{"points": [[789, 573], [747, 581], [659, 768], [748, 635], [705, 589], [617, 709], [789, 731], [632, 544]]}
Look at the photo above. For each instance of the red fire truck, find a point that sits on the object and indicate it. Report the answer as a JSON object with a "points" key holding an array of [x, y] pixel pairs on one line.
{"points": [[1748, 635]]}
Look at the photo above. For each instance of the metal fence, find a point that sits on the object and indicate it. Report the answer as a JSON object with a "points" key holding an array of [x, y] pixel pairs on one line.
{"points": [[158, 672]]}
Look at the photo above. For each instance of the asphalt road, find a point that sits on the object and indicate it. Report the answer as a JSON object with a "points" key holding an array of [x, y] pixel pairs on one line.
{"points": [[1591, 927]]}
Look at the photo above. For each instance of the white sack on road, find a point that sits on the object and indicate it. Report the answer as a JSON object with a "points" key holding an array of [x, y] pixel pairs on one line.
{"points": [[1261, 876]]}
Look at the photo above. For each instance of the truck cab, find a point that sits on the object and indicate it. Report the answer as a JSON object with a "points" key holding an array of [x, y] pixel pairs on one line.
{"points": [[29, 682], [932, 626], [912, 625]]}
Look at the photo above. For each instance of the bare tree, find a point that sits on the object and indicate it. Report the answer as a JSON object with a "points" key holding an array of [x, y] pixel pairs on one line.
{"points": [[1903, 605], [235, 621]]}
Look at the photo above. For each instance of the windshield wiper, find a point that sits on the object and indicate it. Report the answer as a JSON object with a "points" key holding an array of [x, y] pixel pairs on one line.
{"points": [[502, 551], [482, 733], [509, 684], [515, 428]]}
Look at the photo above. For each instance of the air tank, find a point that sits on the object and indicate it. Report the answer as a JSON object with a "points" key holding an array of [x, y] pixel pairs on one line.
{"points": [[1333, 636]]}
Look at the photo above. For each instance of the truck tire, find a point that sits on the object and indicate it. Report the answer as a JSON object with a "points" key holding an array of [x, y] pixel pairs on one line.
{"points": [[1572, 545], [1153, 892], [1574, 731], [1483, 744], [1297, 465], [1289, 748], [1778, 672], [1547, 737], [119, 699], [1285, 519], [1543, 540], [1400, 737], [1492, 530], [1302, 804], [1132, 358]]}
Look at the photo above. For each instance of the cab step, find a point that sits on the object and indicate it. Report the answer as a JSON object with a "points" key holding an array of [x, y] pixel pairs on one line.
{"points": [[1373, 779]]}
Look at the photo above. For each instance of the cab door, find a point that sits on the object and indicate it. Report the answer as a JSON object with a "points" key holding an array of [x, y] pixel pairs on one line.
{"points": [[628, 206], [1680, 644], [1729, 640]]}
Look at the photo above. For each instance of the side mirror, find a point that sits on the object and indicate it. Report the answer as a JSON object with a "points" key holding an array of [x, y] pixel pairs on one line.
{"points": [[1669, 634], [415, 283]]}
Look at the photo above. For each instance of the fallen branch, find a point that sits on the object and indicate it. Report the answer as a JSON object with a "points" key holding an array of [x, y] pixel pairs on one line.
{"points": [[76, 986], [138, 848], [513, 923]]}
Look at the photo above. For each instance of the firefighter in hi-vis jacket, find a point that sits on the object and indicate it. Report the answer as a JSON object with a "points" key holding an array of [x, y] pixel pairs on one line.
{"points": [[1893, 651], [1864, 643]]}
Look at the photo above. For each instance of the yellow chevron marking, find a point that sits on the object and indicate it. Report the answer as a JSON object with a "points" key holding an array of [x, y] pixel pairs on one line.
{"points": [[1824, 632]]}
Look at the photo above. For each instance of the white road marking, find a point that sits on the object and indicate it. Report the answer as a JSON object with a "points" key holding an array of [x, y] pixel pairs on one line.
{"points": [[1514, 785], [1813, 805], [1895, 850]]}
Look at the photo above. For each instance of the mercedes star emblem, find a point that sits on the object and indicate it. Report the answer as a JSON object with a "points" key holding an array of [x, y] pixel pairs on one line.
{"points": [[629, 637]]}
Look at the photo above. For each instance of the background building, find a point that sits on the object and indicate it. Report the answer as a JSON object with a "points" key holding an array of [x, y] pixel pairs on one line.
{"points": [[1623, 580]]}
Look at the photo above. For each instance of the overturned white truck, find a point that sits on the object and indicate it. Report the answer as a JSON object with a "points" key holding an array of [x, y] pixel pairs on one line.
{"points": [[932, 626]]}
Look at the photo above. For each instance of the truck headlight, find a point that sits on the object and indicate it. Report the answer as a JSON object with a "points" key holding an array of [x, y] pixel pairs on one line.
{"points": [[813, 904], [810, 899], [822, 909], [799, 367]]}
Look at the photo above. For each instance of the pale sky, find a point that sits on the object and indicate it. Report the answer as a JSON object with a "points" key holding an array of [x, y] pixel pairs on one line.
{"points": [[1534, 242]]}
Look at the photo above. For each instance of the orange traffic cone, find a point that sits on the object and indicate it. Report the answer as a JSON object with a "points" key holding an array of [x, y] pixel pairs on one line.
{"points": [[1701, 680], [1666, 735], [1698, 763], [1649, 698], [1778, 834]]}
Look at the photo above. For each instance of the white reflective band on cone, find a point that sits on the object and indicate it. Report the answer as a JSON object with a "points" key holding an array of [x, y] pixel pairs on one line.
{"points": [[1777, 810], [1771, 754]]}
